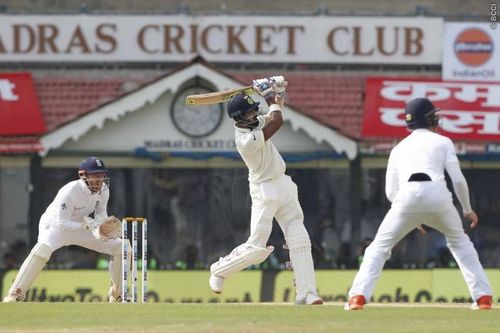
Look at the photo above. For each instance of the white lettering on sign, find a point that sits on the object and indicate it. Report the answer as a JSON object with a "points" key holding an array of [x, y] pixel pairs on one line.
{"points": [[7, 90], [392, 116], [405, 91], [453, 121]]}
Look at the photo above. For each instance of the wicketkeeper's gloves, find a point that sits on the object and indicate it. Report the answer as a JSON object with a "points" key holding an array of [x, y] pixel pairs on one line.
{"points": [[107, 228]]}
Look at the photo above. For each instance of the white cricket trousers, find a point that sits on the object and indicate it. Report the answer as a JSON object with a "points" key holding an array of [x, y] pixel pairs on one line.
{"points": [[435, 209], [279, 199], [274, 199]]}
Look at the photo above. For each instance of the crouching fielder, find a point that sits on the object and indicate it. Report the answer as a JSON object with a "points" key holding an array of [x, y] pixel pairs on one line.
{"points": [[416, 186], [66, 222], [273, 194]]}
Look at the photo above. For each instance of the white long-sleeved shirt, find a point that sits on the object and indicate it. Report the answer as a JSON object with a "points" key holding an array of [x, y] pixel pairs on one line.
{"points": [[72, 203], [424, 151]]}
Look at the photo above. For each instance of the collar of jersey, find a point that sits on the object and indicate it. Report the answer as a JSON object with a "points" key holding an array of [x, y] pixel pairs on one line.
{"points": [[423, 130]]}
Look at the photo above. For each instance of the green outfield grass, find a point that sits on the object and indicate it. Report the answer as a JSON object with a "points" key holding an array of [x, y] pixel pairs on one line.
{"points": [[240, 318]]}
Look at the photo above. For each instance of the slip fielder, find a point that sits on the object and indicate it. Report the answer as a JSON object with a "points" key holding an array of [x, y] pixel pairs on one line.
{"points": [[416, 186]]}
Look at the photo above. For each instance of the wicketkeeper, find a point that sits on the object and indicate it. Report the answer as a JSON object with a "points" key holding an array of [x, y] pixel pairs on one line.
{"points": [[66, 222], [273, 193]]}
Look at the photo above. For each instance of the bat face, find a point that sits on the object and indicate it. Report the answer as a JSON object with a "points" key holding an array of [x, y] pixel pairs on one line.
{"points": [[217, 97]]}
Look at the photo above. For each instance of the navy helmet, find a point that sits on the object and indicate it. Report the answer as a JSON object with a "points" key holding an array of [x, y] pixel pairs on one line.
{"points": [[240, 105], [420, 113], [92, 165]]}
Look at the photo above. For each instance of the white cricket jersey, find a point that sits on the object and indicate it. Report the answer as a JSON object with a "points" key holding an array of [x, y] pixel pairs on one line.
{"points": [[72, 203], [263, 160], [422, 151]]}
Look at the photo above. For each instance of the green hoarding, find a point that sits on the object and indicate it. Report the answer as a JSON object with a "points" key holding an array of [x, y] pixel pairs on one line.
{"points": [[414, 286], [438, 285], [163, 286]]}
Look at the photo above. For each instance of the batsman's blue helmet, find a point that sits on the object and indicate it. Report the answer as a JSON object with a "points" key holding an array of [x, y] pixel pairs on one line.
{"points": [[420, 113], [240, 105]]}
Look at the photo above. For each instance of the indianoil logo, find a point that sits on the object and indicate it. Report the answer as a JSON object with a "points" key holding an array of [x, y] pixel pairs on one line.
{"points": [[473, 47]]}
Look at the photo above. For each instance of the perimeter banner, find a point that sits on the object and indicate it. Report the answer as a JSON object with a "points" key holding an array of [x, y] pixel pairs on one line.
{"points": [[402, 285], [163, 286], [394, 286]]}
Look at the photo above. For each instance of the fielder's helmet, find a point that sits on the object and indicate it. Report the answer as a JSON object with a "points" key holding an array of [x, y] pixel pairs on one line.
{"points": [[240, 105], [92, 165], [420, 113]]}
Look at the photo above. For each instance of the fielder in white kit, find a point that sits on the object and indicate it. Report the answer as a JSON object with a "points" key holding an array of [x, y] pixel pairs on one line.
{"points": [[416, 186], [273, 194], [66, 222]]}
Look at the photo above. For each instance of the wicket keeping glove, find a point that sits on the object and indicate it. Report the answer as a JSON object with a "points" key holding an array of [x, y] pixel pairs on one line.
{"points": [[104, 229]]}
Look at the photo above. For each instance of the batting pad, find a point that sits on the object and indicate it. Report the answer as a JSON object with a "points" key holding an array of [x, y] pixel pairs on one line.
{"points": [[115, 268], [299, 245], [30, 269], [241, 257]]}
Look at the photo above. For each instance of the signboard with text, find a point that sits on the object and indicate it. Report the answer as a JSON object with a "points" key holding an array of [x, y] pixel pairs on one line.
{"points": [[19, 110], [471, 52], [470, 110], [178, 38]]}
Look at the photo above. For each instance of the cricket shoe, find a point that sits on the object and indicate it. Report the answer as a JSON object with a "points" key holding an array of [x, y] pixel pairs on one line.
{"points": [[310, 299], [482, 303], [117, 299], [10, 299], [355, 303], [216, 283], [14, 297]]}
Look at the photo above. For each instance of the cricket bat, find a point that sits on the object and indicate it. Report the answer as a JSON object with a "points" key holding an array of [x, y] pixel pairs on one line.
{"points": [[218, 96]]}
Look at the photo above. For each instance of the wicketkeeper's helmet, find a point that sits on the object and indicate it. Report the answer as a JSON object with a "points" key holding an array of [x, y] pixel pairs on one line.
{"points": [[240, 105], [92, 165], [420, 113]]}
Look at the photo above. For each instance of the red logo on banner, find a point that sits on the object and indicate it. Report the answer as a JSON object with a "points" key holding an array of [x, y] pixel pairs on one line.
{"points": [[473, 47], [470, 110], [19, 110]]}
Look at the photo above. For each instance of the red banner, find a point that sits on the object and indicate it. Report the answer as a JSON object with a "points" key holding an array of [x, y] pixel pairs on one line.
{"points": [[19, 110], [470, 110]]}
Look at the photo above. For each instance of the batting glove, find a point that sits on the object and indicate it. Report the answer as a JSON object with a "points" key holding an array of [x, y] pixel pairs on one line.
{"points": [[279, 85], [263, 87]]}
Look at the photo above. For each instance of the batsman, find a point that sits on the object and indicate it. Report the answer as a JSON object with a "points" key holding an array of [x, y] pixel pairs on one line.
{"points": [[274, 194], [66, 222]]}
